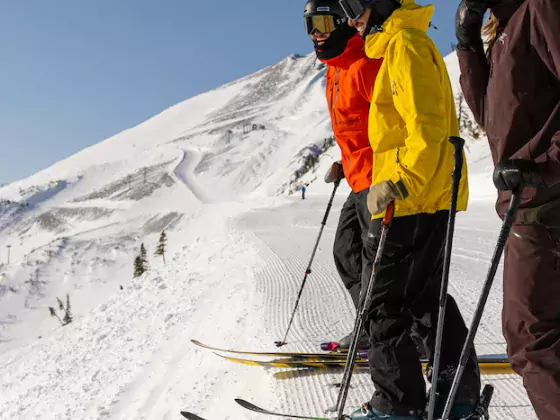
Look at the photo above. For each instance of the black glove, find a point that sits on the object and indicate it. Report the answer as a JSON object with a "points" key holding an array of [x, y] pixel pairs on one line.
{"points": [[468, 23], [515, 173], [335, 173]]}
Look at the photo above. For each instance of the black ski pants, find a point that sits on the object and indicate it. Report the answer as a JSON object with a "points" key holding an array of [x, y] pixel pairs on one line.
{"points": [[349, 240], [406, 298]]}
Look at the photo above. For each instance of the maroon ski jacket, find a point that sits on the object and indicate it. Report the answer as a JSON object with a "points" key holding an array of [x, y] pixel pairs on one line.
{"points": [[515, 94]]}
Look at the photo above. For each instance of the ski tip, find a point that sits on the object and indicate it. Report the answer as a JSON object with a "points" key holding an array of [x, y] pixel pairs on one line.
{"points": [[246, 404], [190, 416]]}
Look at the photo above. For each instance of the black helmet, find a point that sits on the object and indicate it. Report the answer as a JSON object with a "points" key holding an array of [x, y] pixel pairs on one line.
{"points": [[380, 11], [327, 16], [324, 16], [323, 7], [353, 9]]}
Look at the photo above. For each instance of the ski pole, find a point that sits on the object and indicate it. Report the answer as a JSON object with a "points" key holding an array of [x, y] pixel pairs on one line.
{"points": [[308, 270], [509, 218], [458, 144], [362, 313]]}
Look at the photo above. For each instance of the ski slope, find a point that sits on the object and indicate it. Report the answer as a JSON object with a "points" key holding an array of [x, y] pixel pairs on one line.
{"points": [[239, 241], [234, 286]]}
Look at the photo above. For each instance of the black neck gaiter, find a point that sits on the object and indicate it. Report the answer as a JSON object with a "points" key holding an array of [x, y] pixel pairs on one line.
{"points": [[336, 44]]}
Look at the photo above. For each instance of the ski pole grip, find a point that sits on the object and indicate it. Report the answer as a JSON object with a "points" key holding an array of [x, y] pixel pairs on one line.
{"points": [[458, 142], [389, 213]]}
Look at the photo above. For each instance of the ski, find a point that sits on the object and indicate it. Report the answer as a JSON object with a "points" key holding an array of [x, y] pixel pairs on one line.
{"points": [[480, 413], [256, 409], [489, 365], [191, 416], [295, 364], [337, 355]]}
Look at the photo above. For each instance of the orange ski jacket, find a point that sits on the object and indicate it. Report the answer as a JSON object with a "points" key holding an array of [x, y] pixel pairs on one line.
{"points": [[350, 80]]}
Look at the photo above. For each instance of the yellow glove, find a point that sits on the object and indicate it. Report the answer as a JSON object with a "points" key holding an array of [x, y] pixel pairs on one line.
{"points": [[380, 195]]}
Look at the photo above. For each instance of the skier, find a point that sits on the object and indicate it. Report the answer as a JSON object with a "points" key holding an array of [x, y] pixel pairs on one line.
{"points": [[350, 80], [412, 114], [303, 189], [514, 92]]}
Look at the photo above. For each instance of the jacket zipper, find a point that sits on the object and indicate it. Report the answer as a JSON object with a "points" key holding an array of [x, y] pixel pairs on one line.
{"points": [[335, 85], [394, 88]]}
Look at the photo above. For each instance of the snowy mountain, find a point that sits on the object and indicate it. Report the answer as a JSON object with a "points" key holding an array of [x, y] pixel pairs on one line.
{"points": [[217, 172], [68, 223]]}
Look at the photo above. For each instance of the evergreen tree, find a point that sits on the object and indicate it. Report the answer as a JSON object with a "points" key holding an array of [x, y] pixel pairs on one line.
{"points": [[466, 124], [144, 257], [68, 314], [60, 304], [160, 250], [53, 313], [138, 267]]}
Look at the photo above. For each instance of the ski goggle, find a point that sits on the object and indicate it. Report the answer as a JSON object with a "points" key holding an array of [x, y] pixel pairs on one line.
{"points": [[322, 23], [354, 9]]}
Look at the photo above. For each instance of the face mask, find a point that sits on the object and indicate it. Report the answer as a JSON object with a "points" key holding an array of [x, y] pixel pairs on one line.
{"points": [[335, 44]]}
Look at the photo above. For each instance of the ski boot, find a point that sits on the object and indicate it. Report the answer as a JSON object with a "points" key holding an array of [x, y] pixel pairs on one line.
{"points": [[344, 343], [461, 411], [458, 410], [367, 412]]}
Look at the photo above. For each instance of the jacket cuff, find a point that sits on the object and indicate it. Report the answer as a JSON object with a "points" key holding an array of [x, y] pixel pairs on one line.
{"points": [[548, 168], [400, 188], [550, 173]]}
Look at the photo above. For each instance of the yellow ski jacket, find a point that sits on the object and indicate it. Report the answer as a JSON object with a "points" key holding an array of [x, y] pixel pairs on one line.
{"points": [[412, 114]]}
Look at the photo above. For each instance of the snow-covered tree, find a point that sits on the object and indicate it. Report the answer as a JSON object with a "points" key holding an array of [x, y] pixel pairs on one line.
{"points": [[144, 256], [467, 126], [138, 266], [53, 313], [66, 309], [68, 314], [160, 250]]}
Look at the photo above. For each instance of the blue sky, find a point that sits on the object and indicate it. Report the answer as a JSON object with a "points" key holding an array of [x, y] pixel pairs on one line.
{"points": [[73, 73]]}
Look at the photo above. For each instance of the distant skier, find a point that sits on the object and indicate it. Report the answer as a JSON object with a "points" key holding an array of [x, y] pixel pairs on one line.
{"points": [[412, 114], [303, 189], [514, 92], [350, 80]]}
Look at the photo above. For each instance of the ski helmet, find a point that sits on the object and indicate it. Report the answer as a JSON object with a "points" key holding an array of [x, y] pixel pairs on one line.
{"points": [[380, 11], [327, 16]]}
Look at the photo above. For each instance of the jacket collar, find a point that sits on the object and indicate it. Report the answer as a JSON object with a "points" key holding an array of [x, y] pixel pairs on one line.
{"points": [[409, 16], [354, 50], [506, 8]]}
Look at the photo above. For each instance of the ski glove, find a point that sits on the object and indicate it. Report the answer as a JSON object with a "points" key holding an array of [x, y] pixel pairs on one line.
{"points": [[380, 195], [515, 173], [468, 23], [335, 173]]}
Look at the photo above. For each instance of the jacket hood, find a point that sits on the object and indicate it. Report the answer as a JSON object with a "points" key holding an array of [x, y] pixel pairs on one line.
{"points": [[409, 16]]}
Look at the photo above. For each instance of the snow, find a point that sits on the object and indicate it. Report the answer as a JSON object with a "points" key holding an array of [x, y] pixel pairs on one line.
{"points": [[239, 240]]}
